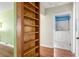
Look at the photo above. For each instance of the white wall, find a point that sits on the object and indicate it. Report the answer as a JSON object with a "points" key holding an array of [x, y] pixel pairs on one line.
{"points": [[48, 33], [62, 39], [77, 28], [7, 6]]}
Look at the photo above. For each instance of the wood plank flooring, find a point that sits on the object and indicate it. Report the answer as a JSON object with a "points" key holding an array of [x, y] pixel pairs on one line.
{"points": [[56, 52], [6, 51], [62, 53], [46, 52]]}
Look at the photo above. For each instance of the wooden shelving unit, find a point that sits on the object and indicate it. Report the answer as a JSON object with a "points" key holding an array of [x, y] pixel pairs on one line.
{"points": [[28, 16], [30, 9], [29, 50], [34, 5], [32, 25], [32, 18], [31, 40]]}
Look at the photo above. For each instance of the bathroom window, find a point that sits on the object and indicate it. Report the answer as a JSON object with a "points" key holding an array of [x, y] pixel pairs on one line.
{"points": [[62, 22]]}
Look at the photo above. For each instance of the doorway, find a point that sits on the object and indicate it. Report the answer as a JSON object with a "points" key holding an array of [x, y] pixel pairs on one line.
{"points": [[58, 39]]}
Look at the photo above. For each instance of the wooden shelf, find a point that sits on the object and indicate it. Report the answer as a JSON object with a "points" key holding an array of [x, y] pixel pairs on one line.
{"points": [[36, 55], [30, 50], [31, 40], [33, 5], [32, 25], [31, 17], [31, 32], [31, 9]]}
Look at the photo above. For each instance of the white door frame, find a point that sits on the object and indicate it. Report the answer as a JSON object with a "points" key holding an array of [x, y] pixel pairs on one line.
{"points": [[74, 32]]}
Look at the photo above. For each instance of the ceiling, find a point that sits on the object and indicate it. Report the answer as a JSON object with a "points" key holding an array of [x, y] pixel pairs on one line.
{"points": [[52, 4], [5, 5]]}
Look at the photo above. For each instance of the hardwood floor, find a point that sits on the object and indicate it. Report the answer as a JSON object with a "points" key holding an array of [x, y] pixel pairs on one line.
{"points": [[6, 51], [56, 52], [62, 53], [46, 52]]}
